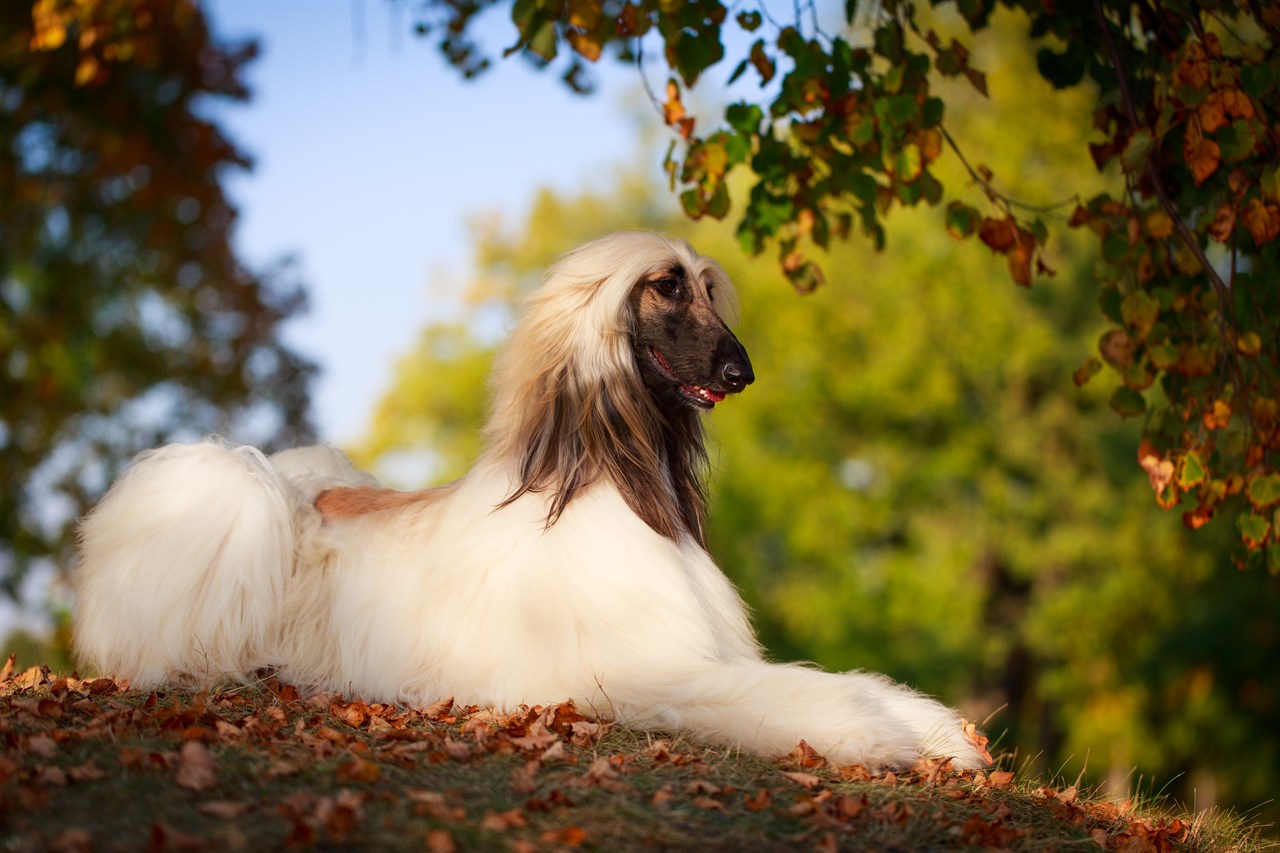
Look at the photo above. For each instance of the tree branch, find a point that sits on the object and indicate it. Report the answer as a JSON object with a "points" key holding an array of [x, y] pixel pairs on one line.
{"points": [[1153, 175]]}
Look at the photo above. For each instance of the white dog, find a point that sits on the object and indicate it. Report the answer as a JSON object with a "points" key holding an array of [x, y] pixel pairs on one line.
{"points": [[570, 563]]}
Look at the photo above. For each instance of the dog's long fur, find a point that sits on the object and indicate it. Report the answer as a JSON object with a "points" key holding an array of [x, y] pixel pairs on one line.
{"points": [[570, 563]]}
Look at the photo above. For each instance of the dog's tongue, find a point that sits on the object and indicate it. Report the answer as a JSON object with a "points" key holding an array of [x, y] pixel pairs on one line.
{"points": [[705, 393]]}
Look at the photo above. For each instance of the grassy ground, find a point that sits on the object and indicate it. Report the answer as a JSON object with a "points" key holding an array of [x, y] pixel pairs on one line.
{"points": [[91, 765]]}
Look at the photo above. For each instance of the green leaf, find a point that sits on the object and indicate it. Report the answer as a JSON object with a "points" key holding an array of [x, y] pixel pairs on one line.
{"points": [[691, 202], [1064, 69], [1238, 140], [888, 40], [1115, 247], [1137, 151], [932, 112], [693, 54], [543, 43], [907, 163], [897, 110], [1128, 403], [1139, 310], [1264, 490], [1257, 79], [744, 117], [1253, 529], [962, 220], [1192, 473]]}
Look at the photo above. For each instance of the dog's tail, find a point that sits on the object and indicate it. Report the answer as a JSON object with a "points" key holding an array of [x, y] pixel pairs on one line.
{"points": [[184, 565]]}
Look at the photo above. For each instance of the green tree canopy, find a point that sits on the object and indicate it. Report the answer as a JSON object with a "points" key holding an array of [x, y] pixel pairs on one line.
{"points": [[850, 123], [125, 315]]}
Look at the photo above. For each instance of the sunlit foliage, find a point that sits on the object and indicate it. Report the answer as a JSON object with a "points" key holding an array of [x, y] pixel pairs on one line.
{"points": [[849, 124], [125, 315]]}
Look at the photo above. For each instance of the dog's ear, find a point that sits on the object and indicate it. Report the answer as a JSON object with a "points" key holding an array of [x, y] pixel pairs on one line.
{"points": [[570, 407]]}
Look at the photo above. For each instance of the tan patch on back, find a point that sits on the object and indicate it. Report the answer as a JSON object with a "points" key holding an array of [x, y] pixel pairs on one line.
{"points": [[349, 502]]}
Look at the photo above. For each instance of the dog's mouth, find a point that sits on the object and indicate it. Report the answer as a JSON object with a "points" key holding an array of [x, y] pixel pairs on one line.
{"points": [[699, 395]]}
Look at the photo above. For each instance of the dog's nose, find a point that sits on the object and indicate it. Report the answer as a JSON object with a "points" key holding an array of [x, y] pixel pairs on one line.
{"points": [[737, 374]]}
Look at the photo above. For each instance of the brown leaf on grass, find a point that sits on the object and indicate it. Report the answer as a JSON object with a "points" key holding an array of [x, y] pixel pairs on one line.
{"points": [[662, 796], [805, 757], [572, 836], [340, 815], [759, 801], [708, 803], [440, 841], [1000, 778], [225, 809], [6, 672], [87, 772], [42, 745], [702, 786], [524, 780], [355, 714], [601, 773], [806, 780], [847, 807], [503, 821], [71, 841], [196, 767], [357, 770], [166, 839], [52, 776], [439, 710]]}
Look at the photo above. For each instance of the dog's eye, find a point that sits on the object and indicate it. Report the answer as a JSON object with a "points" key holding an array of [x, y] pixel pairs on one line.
{"points": [[668, 287]]}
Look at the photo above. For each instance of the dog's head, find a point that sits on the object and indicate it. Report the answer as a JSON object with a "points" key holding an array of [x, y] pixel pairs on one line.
{"points": [[606, 375], [685, 352]]}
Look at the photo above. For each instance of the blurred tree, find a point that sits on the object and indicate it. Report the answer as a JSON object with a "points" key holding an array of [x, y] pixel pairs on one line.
{"points": [[914, 485], [125, 315], [847, 124]]}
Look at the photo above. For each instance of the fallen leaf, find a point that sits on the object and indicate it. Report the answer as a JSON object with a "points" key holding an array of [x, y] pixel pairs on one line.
{"points": [[1000, 778], [570, 835], [357, 770], [196, 767], [71, 840], [439, 710], [806, 780], [503, 821], [87, 772], [166, 839], [42, 745], [225, 809], [440, 841]]}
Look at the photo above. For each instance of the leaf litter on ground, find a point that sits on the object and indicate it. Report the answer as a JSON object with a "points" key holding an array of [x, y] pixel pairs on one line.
{"points": [[90, 764]]}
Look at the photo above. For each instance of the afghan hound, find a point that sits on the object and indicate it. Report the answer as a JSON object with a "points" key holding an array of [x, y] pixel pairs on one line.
{"points": [[570, 563]]}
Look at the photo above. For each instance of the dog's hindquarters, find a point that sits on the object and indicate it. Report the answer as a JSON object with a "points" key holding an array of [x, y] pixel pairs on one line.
{"points": [[184, 565]]}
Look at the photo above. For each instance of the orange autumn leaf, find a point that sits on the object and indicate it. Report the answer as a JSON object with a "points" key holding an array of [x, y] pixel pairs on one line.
{"points": [[1212, 113], [999, 234], [1202, 155], [1262, 220], [1158, 224], [1237, 103], [674, 113]]}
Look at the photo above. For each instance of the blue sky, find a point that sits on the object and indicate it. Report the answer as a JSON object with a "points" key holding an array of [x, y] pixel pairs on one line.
{"points": [[371, 156]]}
